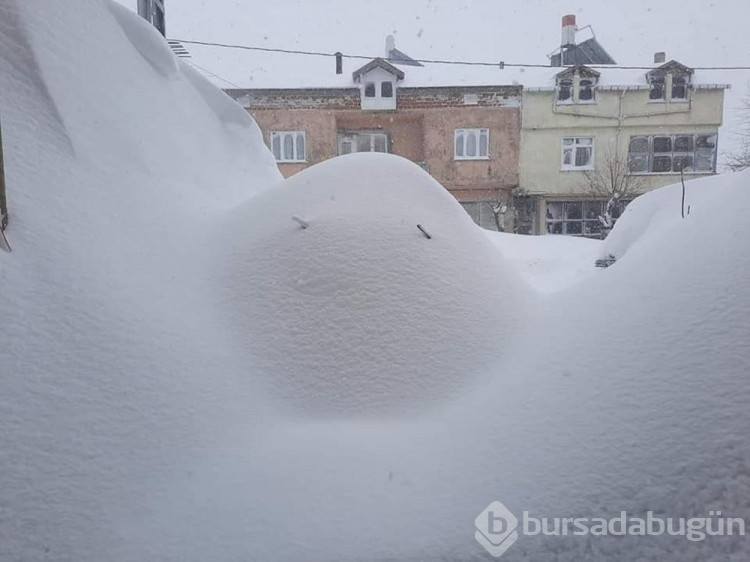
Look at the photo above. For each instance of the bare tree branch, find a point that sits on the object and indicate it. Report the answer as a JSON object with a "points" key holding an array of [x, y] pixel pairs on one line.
{"points": [[612, 178], [740, 159]]}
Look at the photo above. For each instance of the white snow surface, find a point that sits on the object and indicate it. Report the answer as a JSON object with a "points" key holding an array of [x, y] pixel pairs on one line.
{"points": [[360, 311], [188, 374], [549, 263]]}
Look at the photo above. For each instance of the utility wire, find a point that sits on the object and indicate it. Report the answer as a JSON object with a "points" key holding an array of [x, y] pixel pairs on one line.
{"points": [[195, 64], [435, 61]]}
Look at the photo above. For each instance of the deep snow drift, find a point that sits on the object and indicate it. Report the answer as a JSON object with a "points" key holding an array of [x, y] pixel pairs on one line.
{"points": [[360, 311], [155, 315]]}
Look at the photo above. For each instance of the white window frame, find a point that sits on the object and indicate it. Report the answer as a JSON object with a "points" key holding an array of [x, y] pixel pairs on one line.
{"points": [[574, 146], [295, 156], [464, 134], [586, 221], [695, 154], [352, 138]]}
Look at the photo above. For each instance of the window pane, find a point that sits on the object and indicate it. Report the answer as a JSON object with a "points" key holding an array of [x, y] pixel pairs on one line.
{"points": [[657, 89], [639, 144], [364, 142], [592, 228], [554, 210], [346, 147], [680, 162], [683, 144], [583, 156], [638, 162], [276, 146], [459, 143], [565, 88], [568, 156], [704, 160], [369, 89], [288, 147], [300, 146], [386, 89], [705, 141], [471, 143], [662, 164], [573, 227], [586, 91], [379, 143], [483, 142], [592, 210], [662, 144], [574, 210], [679, 87]]}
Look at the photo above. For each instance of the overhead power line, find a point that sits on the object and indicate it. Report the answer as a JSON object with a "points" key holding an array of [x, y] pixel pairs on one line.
{"points": [[498, 64], [207, 71]]}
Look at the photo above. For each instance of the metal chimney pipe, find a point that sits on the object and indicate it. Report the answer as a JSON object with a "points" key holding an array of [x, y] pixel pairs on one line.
{"points": [[339, 63], [568, 31]]}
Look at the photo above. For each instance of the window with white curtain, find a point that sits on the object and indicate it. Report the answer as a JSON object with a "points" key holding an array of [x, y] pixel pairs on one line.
{"points": [[578, 153], [288, 146], [471, 144]]}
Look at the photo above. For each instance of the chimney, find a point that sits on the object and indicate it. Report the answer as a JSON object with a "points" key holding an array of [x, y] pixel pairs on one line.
{"points": [[390, 44], [660, 57], [339, 63], [568, 31]]}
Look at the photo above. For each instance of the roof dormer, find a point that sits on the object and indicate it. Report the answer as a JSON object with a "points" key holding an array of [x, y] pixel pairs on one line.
{"points": [[669, 82], [378, 81], [576, 84]]}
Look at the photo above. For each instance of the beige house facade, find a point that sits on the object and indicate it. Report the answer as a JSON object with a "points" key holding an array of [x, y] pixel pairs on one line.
{"points": [[647, 128]]}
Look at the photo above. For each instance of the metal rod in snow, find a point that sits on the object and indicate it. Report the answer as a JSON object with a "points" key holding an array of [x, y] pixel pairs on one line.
{"points": [[300, 221], [423, 231], [682, 180], [3, 200]]}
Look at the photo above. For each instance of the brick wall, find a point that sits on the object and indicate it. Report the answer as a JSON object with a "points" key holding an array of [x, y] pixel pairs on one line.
{"points": [[421, 129]]}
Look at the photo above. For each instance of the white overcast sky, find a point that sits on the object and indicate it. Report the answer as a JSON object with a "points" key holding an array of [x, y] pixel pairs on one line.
{"points": [[695, 32]]}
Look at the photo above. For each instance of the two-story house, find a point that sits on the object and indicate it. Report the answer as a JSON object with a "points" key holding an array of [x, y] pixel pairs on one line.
{"points": [[464, 131], [590, 134], [528, 149]]}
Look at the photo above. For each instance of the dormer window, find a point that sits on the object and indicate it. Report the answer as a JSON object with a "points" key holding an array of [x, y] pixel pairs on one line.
{"points": [[577, 85], [565, 90], [679, 87], [378, 81], [657, 88], [586, 89], [669, 82]]}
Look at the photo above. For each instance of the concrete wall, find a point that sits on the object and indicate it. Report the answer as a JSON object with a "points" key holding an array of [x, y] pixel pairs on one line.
{"points": [[611, 121]]}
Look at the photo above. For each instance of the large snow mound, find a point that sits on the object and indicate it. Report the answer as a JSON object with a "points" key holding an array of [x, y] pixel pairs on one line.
{"points": [[356, 309], [118, 158], [153, 407]]}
